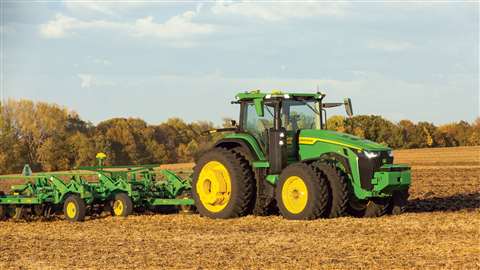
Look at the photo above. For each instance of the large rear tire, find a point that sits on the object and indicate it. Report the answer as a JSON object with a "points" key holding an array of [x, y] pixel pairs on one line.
{"points": [[337, 182], [223, 184], [264, 203], [301, 193]]}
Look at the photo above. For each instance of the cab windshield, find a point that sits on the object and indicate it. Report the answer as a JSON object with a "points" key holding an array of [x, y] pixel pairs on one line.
{"points": [[295, 115], [299, 114]]}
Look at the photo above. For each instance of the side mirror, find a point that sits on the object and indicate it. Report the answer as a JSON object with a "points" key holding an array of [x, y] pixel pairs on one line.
{"points": [[348, 106], [233, 123]]}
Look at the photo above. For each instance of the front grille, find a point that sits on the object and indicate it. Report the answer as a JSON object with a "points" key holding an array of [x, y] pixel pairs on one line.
{"points": [[368, 167]]}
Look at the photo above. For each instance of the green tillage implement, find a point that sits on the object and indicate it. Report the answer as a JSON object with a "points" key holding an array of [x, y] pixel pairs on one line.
{"points": [[118, 188]]}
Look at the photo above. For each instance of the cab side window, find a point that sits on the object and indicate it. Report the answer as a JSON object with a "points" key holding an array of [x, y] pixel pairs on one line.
{"points": [[258, 126]]}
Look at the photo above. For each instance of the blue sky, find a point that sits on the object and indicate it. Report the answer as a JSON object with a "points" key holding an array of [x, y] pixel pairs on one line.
{"points": [[156, 60]]}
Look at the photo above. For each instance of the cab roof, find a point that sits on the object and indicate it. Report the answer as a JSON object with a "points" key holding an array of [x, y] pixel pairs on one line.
{"points": [[257, 94]]}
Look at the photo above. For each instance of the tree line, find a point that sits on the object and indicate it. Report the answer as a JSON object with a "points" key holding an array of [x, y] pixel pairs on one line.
{"points": [[49, 137]]}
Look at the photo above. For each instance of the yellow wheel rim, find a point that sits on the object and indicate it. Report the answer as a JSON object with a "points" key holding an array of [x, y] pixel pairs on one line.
{"points": [[118, 208], [71, 209], [214, 186], [294, 194]]}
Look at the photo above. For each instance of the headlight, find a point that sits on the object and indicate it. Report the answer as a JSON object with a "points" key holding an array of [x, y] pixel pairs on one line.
{"points": [[371, 154], [390, 153]]}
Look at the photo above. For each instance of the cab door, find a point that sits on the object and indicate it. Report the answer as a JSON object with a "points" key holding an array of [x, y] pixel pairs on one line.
{"points": [[290, 123], [258, 126]]}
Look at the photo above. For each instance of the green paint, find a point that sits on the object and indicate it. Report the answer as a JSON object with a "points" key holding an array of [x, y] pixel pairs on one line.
{"points": [[259, 107], [343, 139], [12, 199], [139, 182], [250, 140], [386, 182], [272, 178], [260, 164], [256, 94], [155, 202]]}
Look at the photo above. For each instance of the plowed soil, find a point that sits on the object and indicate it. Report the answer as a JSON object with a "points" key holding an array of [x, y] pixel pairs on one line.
{"points": [[441, 229]]}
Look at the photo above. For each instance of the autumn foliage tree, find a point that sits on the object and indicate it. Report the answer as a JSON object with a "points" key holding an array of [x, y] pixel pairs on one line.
{"points": [[50, 137], [405, 134]]}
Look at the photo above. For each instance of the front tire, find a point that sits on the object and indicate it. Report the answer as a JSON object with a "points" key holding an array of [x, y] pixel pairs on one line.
{"points": [[337, 182], [301, 193], [223, 184]]}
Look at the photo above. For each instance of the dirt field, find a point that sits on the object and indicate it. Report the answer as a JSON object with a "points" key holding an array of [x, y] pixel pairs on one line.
{"points": [[440, 230]]}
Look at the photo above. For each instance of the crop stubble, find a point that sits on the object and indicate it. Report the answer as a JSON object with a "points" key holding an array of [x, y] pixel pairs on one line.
{"points": [[441, 229]]}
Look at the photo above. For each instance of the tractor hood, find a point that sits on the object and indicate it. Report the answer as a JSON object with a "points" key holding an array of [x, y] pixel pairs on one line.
{"points": [[311, 136]]}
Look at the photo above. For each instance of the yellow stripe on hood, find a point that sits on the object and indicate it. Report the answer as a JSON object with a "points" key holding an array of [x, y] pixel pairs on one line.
{"points": [[310, 141]]}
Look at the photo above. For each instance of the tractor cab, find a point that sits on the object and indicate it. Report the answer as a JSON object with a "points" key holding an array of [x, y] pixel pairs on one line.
{"points": [[275, 121]]}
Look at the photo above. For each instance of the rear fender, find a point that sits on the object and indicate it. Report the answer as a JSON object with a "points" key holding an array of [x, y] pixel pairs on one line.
{"points": [[246, 141]]}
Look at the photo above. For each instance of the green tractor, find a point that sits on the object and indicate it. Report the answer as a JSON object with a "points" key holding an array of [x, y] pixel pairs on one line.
{"points": [[280, 157]]}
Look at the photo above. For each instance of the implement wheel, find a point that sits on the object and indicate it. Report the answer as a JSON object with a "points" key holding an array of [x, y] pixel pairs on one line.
{"points": [[302, 193], [223, 184], [74, 208], [122, 205]]}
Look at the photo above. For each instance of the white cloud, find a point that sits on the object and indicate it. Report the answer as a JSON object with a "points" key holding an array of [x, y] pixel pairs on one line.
{"points": [[63, 26], [101, 6], [278, 11], [89, 81], [390, 45], [86, 80], [57, 28], [176, 28]]}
